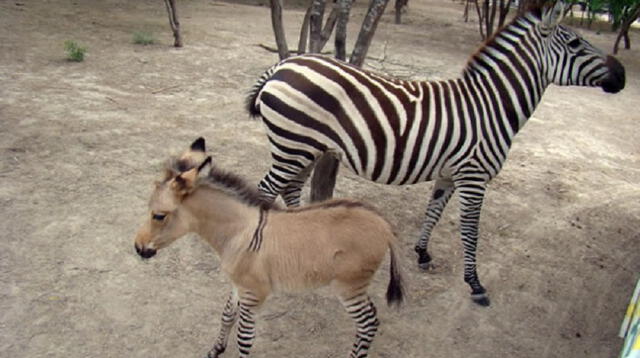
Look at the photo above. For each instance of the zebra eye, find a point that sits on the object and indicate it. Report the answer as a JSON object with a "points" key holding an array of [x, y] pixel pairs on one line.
{"points": [[158, 216], [574, 44]]}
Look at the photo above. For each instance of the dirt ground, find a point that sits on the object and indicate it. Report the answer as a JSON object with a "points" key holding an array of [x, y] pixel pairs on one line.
{"points": [[82, 142]]}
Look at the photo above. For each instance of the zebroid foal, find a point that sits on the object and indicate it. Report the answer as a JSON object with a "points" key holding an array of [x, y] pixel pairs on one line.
{"points": [[264, 249]]}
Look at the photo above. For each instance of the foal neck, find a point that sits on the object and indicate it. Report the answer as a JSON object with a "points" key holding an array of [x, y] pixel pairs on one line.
{"points": [[221, 219]]}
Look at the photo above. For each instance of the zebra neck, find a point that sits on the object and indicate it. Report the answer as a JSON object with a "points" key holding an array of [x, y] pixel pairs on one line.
{"points": [[509, 71]]}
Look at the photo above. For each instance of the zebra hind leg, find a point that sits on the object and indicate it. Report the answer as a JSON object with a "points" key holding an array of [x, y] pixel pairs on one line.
{"points": [[291, 193], [286, 179], [442, 191], [471, 197]]}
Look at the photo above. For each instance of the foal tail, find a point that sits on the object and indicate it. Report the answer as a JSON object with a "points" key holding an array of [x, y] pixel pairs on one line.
{"points": [[395, 289]]}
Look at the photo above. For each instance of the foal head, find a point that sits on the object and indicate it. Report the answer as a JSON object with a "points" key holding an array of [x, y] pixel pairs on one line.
{"points": [[168, 220]]}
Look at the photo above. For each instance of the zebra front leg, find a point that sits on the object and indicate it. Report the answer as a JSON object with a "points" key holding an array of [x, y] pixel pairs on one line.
{"points": [[363, 312], [471, 196], [229, 318], [440, 195], [248, 306]]}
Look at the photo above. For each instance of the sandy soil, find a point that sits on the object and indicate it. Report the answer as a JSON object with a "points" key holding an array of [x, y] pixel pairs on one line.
{"points": [[82, 142]]}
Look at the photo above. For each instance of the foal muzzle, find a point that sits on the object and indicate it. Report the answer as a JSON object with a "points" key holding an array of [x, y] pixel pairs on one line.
{"points": [[144, 252]]}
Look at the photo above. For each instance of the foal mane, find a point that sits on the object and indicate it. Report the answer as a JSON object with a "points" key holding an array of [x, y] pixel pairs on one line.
{"points": [[223, 180], [238, 187]]}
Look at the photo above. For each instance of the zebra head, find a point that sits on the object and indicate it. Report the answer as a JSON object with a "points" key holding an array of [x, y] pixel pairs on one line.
{"points": [[573, 61]]}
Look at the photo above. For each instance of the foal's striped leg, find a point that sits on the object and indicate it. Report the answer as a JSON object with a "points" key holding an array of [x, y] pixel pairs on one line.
{"points": [[249, 304], [440, 195], [229, 318], [363, 312]]}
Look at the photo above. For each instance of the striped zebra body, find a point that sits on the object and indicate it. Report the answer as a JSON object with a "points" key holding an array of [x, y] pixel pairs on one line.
{"points": [[457, 132]]}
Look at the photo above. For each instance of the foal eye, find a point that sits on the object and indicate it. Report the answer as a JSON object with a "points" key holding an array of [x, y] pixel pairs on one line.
{"points": [[158, 217], [575, 43]]}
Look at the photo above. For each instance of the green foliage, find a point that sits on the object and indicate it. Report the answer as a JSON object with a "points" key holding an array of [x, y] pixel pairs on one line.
{"points": [[74, 52], [143, 38], [618, 10]]}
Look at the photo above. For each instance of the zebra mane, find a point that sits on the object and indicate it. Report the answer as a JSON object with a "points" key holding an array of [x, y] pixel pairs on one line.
{"points": [[519, 24], [219, 179]]}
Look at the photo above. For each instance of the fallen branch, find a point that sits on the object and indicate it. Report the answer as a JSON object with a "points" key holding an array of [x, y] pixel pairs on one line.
{"points": [[273, 49], [164, 89]]}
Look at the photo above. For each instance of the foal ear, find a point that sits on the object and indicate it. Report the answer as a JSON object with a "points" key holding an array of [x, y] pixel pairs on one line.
{"points": [[184, 183], [553, 15], [198, 145]]}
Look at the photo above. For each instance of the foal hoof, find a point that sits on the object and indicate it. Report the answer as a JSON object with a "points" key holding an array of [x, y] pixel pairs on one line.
{"points": [[215, 353], [426, 266], [481, 299]]}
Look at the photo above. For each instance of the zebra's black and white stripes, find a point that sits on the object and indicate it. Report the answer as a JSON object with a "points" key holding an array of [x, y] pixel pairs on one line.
{"points": [[457, 131]]}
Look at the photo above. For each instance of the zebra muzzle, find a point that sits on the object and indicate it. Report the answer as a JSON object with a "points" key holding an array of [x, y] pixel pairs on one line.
{"points": [[615, 80]]}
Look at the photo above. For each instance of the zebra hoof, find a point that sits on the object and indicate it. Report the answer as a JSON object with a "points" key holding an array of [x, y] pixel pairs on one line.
{"points": [[481, 299], [424, 260]]}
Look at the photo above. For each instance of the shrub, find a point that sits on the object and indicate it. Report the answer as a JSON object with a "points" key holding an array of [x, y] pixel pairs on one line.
{"points": [[143, 38], [74, 52]]}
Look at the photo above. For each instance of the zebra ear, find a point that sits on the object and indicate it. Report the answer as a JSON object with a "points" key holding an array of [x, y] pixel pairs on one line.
{"points": [[553, 15]]}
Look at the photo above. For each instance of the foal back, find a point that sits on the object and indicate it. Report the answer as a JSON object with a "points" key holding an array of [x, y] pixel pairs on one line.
{"points": [[339, 242]]}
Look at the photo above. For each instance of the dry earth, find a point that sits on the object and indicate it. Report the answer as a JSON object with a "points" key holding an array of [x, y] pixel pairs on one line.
{"points": [[82, 142]]}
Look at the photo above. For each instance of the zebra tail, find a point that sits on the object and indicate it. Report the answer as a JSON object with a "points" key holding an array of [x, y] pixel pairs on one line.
{"points": [[251, 104], [395, 289]]}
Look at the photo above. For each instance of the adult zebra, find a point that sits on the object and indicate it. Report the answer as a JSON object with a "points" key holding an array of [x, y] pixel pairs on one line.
{"points": [[457, 132]]}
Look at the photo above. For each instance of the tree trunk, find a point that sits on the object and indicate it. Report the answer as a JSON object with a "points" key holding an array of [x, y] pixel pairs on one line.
{"points": [[173, 21], [369, 25], [504, 11], [399, 5], [328, 27], [315, 25], [304, 32], [278, 29], [344, 7], [324, 177], [326, 169], [624, 29]]}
